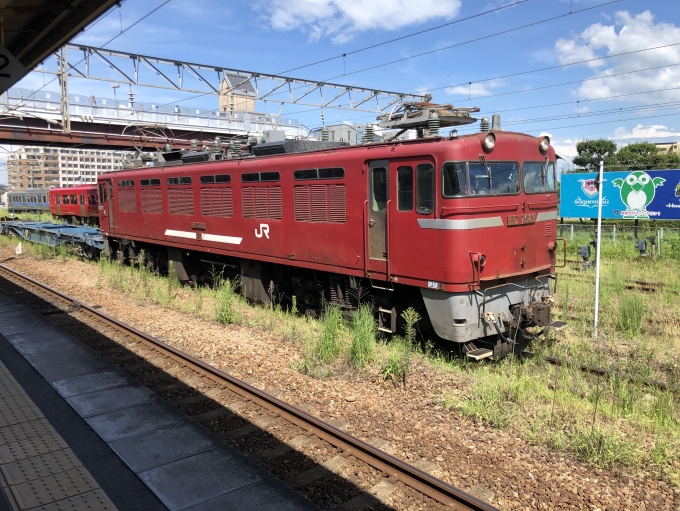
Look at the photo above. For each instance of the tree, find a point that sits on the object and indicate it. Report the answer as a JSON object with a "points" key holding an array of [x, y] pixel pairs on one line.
{"points": [[590, 152], [644, 156]]}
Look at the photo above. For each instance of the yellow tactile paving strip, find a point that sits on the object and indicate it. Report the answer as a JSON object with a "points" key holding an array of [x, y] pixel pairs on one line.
{"points": [[38, 471]]}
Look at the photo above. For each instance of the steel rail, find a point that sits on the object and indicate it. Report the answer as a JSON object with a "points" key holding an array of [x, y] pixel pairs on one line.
{"points": [[422, 482]]}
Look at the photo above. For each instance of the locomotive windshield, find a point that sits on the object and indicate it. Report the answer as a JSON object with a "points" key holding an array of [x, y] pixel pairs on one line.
{"points": [[539, 177], [494, 178], [454, 177]]}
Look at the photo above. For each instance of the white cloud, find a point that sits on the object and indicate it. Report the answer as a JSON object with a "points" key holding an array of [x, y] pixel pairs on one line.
{"points": [[475, 89], [565, 148], [627, 33], [645, 132], [342, 20]]}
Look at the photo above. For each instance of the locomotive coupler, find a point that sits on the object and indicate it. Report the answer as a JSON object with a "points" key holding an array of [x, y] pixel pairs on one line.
{"points": [[535, 314]]}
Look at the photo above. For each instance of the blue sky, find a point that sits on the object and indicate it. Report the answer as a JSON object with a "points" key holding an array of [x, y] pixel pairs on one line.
{"points": [[603, 99]]}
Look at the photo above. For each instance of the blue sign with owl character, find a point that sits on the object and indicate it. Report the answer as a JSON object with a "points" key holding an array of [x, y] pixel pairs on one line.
{"points": [[630, 195]]}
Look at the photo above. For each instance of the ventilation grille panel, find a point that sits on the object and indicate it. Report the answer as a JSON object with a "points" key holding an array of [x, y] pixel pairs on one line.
{"points": [[152, 201], [181, 201], [321, 204], [217, 202], [127, 201], [262, 202]]}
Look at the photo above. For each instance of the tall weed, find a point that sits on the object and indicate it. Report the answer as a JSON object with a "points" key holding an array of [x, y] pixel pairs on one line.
{"points": [[364, 332], [632, 310], [227, 298], [329, 347], [397, 366]]}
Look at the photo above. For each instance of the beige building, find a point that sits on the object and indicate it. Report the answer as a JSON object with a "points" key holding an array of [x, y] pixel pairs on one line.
{"points": [[46, 167], [236, 94], [668, 147]]}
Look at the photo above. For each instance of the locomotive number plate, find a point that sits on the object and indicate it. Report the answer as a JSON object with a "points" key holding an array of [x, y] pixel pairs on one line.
{"points": [[521, 219], [198, 226]]}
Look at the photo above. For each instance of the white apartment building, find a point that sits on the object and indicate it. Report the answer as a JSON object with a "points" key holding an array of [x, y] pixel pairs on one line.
{"points": [[46, 167]]}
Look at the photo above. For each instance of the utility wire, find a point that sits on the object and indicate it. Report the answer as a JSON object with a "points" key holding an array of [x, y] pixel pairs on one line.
{"points": [[372, 46], [112, 9], [488, 36], [353, 52], [567, 83], [551, 68], [432, 51], [110, 40], [500, 94]]}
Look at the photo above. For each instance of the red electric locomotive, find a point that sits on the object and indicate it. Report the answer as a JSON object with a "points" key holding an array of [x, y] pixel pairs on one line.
{"points": [[76, 204], [463, 229]]}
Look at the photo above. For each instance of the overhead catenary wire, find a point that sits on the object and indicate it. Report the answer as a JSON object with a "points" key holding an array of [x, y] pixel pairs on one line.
{"points": [[365, 48], [469, 41], [563, 103], [401, 38], [550, 68], [451, 46], [111, 40]]}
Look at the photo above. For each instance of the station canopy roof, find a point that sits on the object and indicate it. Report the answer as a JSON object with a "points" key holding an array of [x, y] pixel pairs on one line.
{"points": [[33, 29]]}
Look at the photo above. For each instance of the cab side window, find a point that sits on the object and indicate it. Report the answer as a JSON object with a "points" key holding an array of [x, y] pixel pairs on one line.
{"points": [[405, 188], [425, 188], [454, 180], [379, 191]]}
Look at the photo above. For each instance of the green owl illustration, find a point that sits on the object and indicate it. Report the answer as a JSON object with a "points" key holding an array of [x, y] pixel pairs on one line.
{"points": [[637, 190]]}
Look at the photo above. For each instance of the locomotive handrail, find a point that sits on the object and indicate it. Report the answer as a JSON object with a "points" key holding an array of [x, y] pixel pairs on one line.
{"points": [[564, 252], [387, 241], [463, 210], [364, 213], [474, 259], [542, 205]]}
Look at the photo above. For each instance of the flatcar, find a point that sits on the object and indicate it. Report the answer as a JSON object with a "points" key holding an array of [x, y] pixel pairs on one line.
{"points": [[76, 204], [30, 200], [461, 228]]}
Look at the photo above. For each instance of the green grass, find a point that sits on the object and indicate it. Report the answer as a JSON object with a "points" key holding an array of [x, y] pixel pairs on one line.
{"points": [[632, 310], [329, 346], [364, 333], [396, 365]]}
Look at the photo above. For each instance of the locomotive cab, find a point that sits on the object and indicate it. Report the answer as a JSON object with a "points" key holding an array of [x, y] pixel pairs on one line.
{"points": [[495, 233]]}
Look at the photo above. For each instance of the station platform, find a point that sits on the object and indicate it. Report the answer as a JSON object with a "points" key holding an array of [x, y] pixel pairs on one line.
{"points": [[94, 435]]}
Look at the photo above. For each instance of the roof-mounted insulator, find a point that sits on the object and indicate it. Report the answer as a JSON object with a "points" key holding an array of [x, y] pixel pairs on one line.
{"points": [[484, 124], [325, 135], [194, 144], [433, 124], [234, 149], [368, 136]]}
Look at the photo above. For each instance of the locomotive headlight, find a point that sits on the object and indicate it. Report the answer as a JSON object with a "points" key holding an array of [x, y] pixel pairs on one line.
{"points": [[544, 144], [489, 142]]}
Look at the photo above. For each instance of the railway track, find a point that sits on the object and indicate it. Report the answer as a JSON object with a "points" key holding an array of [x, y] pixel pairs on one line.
{"points": [[600, 371], [242, 414]]}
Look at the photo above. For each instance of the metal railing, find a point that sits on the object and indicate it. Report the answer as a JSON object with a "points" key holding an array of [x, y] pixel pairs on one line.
{"points": [[88, 108], [622, 238]]}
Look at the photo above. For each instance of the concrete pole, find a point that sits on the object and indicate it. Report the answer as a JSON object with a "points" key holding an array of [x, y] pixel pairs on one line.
{"points": [[599, 240]]}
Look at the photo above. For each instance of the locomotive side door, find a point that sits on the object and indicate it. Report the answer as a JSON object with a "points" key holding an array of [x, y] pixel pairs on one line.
{"points": [[105, 220], [57, 198], [109, 202], [82, 205], [378, 198]]}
